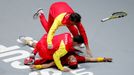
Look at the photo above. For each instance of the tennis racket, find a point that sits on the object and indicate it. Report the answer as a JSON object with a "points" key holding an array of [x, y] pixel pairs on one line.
{"points": [[115, 15]]}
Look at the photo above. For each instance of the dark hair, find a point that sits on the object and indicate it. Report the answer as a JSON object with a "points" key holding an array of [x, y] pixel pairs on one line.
{"points": [[74, 66], [75, 17], [78, 39]]}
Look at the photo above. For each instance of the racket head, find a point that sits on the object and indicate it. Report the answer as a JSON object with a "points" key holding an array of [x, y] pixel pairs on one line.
{"points": [[118, 15]]}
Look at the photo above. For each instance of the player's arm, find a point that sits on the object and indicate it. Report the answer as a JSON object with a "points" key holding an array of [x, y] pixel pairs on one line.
{"points": [[52, 30], [57, 22], [83, 33], [58, 54], [42, 66], [73, 30], [98, 59]]}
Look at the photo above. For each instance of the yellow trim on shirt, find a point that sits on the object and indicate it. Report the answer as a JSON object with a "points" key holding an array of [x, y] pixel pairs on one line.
{"points": [[57, 23], [58, 54]]}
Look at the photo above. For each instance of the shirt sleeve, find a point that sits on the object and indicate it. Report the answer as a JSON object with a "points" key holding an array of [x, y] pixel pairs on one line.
{"points": [[83, 33], [58, 54], [73, 29], [52, 30], [57, 23]]}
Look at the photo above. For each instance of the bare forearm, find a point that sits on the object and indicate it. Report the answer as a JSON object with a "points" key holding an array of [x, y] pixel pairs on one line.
{"points": [[98, 59], [48, 65], [88, 50], [42, 66]]}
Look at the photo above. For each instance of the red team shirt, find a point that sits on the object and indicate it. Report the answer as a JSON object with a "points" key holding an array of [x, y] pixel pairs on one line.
{"points": [[57, 9], [47, 55], [58, 16]]}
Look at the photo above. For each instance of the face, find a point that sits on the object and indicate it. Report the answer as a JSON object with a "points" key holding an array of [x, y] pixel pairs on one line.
{"points": [[72, 62], [71, 23], [71, 58], [76, 44]]}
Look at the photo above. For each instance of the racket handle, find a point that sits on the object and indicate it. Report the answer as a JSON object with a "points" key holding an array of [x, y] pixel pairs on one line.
{"points": [[105, 19]]}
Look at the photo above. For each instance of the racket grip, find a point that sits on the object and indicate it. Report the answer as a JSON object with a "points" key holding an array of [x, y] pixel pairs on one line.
{"points": [[105, 19]]}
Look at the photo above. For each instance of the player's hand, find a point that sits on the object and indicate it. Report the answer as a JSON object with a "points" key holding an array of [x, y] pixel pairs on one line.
{"points": [[28, 61], [32, 56], [50, 46], [89, 53], [32, 66], [66, 70]]}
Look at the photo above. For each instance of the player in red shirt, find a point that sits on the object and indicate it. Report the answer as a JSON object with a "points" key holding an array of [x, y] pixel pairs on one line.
{"points": [[72, 61], [61, 14], [62, 44], [71, 58]]}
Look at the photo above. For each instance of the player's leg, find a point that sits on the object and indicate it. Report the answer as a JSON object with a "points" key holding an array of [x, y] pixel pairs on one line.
{"points": [[27, 41], [56, 9], [42, 18], [50, 19]]}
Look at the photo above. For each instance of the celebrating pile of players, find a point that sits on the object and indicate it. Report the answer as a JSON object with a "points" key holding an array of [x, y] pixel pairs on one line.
{"points": [[64, 48]]}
